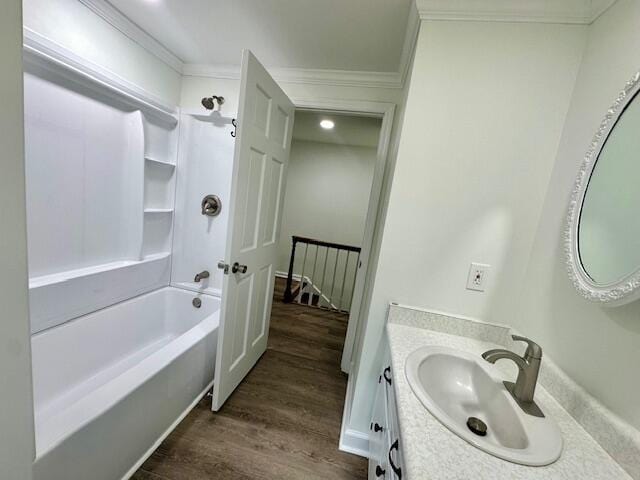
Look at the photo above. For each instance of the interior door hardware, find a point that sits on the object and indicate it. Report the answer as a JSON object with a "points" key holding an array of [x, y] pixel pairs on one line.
{"points": [[237, 268], [224, 267], [211, 205], [234, 122]]}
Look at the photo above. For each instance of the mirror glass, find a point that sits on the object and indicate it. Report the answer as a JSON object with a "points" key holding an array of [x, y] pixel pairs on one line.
{"points": [[609, 228]]}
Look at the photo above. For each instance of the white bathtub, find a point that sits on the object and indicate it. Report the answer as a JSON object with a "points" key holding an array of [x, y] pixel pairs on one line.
{"points": [[110, 385]]}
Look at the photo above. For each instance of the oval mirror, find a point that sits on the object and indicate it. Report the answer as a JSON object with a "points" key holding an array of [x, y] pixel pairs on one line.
{"points": [[603, 226]]}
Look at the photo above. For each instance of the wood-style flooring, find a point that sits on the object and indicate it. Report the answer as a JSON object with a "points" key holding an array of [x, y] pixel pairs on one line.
{"points": [[282, 422]]}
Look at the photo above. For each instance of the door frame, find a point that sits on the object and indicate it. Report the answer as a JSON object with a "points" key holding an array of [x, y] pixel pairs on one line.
{"points": [[386, 112]]}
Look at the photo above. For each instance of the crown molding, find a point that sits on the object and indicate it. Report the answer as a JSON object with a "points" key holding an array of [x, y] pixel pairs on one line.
{"points": [[409, 46], [349, 78], [119, 21], [580, 12], [308, 76]]}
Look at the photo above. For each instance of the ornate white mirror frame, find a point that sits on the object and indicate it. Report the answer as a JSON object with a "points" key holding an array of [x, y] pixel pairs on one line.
{"points": [[626, 289]]}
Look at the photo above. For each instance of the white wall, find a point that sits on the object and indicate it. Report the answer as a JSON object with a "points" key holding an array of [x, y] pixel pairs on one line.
{"points": [[483, 119], [598, 347], [327, 194], [72, 25], [16, 405]]}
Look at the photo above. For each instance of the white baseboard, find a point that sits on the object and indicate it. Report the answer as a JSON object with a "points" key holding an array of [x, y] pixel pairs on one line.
{"points": [[285, 275], [353, 441]]}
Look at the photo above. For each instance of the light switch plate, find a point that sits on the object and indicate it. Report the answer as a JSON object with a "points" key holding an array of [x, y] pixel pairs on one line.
{"points": [[477, 278]]}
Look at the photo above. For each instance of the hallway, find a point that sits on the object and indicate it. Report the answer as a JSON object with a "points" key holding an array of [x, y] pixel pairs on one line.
{"points": [[283, 421]]}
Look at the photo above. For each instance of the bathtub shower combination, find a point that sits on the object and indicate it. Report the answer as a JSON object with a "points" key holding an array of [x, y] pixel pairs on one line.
{"points": [[157, 347], [124, 337]]}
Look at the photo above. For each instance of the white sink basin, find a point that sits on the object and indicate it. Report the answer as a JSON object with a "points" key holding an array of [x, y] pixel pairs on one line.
{"points": [[455, 385]]}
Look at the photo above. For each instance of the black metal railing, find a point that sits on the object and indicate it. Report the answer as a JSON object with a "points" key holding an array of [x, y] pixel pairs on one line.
{"points": [[326, 273]]}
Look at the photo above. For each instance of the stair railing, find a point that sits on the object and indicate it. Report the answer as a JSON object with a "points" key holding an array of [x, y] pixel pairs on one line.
{"points": [[323, 281]]}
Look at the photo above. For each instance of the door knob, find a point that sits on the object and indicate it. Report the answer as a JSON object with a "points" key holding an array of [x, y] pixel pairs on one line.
{"points": [[223, 266], [237, 268]]}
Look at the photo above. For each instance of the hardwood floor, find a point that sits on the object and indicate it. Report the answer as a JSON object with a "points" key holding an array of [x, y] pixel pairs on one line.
{"points": [[282, 422]]}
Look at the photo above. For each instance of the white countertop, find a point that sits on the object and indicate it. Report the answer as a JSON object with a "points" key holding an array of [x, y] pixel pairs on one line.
{"points": [[432, 452]]}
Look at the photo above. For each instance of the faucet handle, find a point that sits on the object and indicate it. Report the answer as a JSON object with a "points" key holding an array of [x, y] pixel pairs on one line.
{"points": [[533, 349]]}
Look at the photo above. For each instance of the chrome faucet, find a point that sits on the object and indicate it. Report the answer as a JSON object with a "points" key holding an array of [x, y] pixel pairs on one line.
{"points": [[201, 275], [528, 367]]}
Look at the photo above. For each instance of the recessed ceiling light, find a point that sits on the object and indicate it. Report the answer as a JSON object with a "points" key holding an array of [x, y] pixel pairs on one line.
{"points": [[327, 124]]}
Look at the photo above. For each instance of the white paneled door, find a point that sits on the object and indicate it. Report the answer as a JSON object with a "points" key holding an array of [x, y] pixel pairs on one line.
{"points": [[265, 122]]}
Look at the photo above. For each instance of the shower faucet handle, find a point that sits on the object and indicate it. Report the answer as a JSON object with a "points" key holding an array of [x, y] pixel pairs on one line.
{"points": [[211, 205]]}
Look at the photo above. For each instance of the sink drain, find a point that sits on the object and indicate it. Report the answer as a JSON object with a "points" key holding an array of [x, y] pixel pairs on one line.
{"points": [[477, 426]]}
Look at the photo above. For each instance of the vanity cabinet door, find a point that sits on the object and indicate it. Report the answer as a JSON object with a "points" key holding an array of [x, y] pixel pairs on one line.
{"points": [[378, 443], [393, 455]]}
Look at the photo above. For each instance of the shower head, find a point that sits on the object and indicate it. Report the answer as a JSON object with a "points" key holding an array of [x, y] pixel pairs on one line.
{"points": [[207, 102], [210, 102]]}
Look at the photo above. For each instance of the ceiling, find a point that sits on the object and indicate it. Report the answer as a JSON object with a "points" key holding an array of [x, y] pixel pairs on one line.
{"points": [[357, 35], [349, 129]]}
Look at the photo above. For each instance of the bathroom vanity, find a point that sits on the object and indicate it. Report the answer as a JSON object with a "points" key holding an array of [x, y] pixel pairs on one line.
{"points": [[414, 444], [384, 437]]}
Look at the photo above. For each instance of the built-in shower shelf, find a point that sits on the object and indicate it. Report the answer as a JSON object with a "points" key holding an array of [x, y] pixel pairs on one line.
{"points": [[162, 163], [158, 210]]}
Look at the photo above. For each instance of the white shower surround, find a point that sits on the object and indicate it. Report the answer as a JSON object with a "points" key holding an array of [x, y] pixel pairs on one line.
{"points": [[126, 376], [205, 165], [119, 355]]}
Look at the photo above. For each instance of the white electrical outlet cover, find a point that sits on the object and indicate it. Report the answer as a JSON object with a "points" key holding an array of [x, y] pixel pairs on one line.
{"points": [[477, 278]]}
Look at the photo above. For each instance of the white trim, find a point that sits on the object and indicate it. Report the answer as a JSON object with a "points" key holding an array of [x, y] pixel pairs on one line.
{"points": [[409, 46], [120, 22], [166, 433], [352, 441], [281, 274], [310, 76], [351, 107], [581, 12], [355, 442], [40, 50]]}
